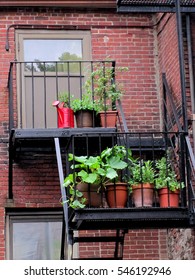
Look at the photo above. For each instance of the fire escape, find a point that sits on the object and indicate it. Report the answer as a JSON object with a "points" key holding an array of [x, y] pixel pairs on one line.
{"points": [[26, 137]]}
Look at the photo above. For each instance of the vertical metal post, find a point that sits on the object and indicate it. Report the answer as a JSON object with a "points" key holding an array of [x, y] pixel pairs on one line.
{"points": [[10, 182], [33, 95], [164, 102], [113, 80], [181, 64], [183, 154], [63, 192], [10, 88], [11, 125]]}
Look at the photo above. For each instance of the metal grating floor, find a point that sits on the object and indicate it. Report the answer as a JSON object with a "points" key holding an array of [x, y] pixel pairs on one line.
{"points": [[155, 2], [154, 5]]}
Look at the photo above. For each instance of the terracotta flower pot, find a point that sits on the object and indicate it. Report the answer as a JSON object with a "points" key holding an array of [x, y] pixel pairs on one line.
{"points": [[108, 118], [168, 198], [93, 198], [116, 195], [143, 195]]}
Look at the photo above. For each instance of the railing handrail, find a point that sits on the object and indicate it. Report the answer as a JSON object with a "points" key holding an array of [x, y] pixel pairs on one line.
{"points": [[190, 175], [10, 89], [168, 94], [190, 158], [64, 61], [190, 150], [51, 69]]}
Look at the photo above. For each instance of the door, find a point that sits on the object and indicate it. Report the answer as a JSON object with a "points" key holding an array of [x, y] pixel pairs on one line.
{"points": [[44, 72]]}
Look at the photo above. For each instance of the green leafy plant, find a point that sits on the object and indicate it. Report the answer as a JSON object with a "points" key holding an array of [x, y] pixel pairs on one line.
{"points": [[141, 172], [113, 160], [84, 103], [84, 171], [98, 170], [102, 83], [166, 176], [65, 98]]}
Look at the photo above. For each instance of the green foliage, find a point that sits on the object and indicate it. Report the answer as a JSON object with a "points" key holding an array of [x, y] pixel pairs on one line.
{"points": [[75, 198], [84, 171], [102, 83], [62, 66], [113, 160], [73, 67], [166, 176], [84, 103], [98, 170], [141, 172], [65, 98]]}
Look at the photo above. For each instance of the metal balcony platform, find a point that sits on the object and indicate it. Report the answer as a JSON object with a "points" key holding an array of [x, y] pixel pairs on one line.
{"points": [[129, 218], [154, 6], [42, 140]]}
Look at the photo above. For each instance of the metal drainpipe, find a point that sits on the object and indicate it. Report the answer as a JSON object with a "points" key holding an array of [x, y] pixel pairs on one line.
{"points": [[191, 74], [181, 63]]}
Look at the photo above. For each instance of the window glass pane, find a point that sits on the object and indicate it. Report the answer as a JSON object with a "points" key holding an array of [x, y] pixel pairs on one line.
{"points": [[52, 49], [37, 240]]}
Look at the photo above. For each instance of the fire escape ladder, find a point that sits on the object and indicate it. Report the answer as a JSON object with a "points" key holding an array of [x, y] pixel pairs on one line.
{"points": [[187, 158], [120, 109], [66, 241], [191, 179]]}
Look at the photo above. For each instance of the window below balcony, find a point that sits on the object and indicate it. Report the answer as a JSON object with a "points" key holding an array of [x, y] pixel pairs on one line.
{"points": [[34, 235]]}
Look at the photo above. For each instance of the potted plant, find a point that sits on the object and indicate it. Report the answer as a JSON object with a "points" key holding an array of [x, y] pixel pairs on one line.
{"points": [[142, 174], [106, 92], [83, 182], [101, 171], [65, 113], [166, 184], [85, 110], [114, 162]]}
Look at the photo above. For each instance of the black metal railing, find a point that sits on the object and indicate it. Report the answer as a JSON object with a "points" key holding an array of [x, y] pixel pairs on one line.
{"points": [[173, 144], [139, 148], [34, 86], [173, 121]]}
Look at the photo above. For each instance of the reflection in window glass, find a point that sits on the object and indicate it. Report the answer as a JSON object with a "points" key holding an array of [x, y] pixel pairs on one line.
{"points": [[52, 49], [37, 240], [40, 51]]}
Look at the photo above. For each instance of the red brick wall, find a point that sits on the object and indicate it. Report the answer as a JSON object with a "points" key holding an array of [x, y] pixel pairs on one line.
{"points": [[142, 244], [168, 50], [36, 182], [118, 37]]}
